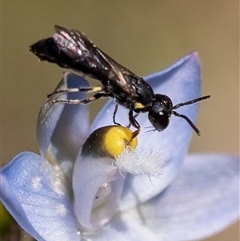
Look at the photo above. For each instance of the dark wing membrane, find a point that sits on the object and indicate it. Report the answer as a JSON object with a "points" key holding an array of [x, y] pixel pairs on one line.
{"points": [[89, 59]]}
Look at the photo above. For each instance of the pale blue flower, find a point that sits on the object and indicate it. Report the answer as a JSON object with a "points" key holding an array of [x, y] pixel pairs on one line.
{"points": [[195, 197]]}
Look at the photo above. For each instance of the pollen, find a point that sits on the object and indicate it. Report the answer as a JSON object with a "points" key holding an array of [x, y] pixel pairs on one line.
{"points": [[61, 209], [36, 183]]}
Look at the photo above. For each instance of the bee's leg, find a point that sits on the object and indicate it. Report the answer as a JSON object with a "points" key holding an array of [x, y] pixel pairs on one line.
{"points": [[80, 101], [134, 123], [76, 90], [130, 123], [114, 115]]}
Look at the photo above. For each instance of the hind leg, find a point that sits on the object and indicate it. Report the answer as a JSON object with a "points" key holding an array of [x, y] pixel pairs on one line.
{"points": [[76, 90], [80, 101]]}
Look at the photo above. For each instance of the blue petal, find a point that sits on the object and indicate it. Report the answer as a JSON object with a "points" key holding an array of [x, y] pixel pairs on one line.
{"points": [[181, 82], [94, 175], [64, 125], [32, 193], [63, 128], [124, 229], [203, 200]]}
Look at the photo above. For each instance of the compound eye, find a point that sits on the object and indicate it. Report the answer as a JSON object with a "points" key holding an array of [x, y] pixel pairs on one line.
{"points": [[159, 120]]}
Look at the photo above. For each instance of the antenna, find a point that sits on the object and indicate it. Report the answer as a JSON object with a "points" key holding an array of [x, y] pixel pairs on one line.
{"points": [[185, 117]]}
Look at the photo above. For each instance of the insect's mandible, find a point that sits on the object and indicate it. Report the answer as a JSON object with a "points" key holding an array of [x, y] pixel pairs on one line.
{"points": [[72, 49]]}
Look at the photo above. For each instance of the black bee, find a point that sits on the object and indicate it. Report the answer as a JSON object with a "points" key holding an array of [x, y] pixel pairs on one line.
{"points": [[72, 49]]}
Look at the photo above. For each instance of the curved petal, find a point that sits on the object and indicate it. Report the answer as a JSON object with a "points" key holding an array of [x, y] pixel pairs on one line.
{"points": [[65, 125], [124, 229], [203, 200], [96, 191], [181, 82], [32, 193], [63, 128]]}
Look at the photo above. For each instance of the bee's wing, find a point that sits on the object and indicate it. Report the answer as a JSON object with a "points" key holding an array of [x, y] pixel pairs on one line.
{"points": [[89, 59]]}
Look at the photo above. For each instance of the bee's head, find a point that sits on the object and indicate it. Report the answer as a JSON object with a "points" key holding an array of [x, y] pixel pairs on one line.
{"points": [[162, 109], [160, 112]]}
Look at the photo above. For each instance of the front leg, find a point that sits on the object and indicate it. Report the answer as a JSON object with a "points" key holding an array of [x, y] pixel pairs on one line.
{"points": [[134, 123]]}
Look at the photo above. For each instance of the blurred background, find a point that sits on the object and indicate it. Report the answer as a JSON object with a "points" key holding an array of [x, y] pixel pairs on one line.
{"points": [[144, 36]]}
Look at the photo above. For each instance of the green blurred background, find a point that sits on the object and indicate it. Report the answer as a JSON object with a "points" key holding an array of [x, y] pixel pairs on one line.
{"points": [[144, 36]]}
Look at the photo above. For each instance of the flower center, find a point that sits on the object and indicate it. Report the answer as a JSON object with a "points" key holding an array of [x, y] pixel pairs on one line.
{"points": [[97, 183]]}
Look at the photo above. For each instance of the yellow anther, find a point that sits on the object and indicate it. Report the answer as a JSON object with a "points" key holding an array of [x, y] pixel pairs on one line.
{"points": [[109, 141], [117, 138]]}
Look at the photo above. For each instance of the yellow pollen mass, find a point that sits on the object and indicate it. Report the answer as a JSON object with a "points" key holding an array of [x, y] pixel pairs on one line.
{"points": [[117, 138]]}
